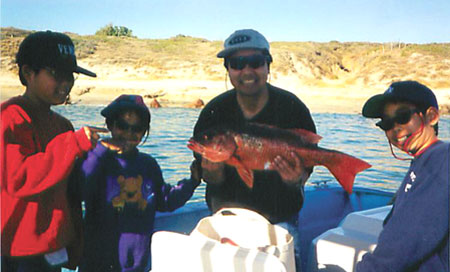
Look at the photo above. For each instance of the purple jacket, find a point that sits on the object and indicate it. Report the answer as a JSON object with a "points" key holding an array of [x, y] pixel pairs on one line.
{"points": [[122, 193]]}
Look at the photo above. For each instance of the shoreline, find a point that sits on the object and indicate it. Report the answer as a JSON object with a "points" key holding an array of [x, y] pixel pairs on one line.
{"points": [[186, 93]]}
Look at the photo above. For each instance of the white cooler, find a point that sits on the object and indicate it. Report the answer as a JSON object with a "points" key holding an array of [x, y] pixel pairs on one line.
{"points": [[339, 249]]}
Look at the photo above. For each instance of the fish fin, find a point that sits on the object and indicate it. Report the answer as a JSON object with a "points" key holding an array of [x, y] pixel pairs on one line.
{"points": [[245, 173], [306, 135], [246, 176], [344, 168]]}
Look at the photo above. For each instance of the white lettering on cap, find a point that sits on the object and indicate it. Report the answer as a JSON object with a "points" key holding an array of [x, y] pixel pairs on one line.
{"points": [[65, 49], [239, 39]]}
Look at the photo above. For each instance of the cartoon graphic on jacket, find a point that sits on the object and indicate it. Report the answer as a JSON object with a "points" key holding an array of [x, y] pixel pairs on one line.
{"points": [[122, 194]]}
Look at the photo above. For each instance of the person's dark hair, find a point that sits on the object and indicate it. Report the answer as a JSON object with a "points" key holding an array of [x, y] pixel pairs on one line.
{"points": [[22, 77], [115, 116], [423, 109]]}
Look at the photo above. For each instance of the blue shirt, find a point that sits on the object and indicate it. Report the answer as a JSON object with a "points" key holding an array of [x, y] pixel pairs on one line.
{"points": [[416, 235]]}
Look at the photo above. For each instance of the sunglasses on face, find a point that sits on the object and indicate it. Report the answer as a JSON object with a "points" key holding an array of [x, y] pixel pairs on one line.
{"points": [[402, 116], [60, 76], [254, 61], [123, 125]]}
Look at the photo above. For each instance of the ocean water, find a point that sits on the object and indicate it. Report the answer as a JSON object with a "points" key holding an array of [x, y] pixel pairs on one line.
{"points": [[171, 128]]}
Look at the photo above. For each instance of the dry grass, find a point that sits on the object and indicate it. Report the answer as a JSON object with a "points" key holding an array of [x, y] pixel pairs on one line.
{"points": [[371, 66], [311, 62]]}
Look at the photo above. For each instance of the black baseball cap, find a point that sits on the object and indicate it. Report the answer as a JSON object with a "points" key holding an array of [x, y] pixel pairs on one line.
{"points": [[407, 91], [50, 49], [124, 102]]}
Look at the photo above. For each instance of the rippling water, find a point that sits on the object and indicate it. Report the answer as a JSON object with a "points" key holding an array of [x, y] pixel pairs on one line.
{"points": [[351, 133]]}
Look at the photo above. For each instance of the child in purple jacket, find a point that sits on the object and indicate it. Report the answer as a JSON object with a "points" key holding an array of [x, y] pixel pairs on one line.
{"points": [[123, 190]]}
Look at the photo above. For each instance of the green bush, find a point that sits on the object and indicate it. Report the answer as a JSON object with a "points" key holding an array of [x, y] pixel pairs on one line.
{"points": [[118, 31]]}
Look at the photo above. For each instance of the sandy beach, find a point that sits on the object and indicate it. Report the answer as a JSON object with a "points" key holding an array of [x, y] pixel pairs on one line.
{"points": [[184, 93]]}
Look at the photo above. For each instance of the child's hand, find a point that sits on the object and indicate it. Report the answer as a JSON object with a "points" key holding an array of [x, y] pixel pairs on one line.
{"points": [[92, 133], [195, 170], [113, 144]]}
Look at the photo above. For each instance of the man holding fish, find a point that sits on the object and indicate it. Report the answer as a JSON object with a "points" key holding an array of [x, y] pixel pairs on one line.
{"points": [[244, 169]]}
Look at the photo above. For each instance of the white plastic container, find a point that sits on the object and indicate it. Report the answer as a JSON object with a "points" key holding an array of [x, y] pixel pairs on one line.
{"points": [[339, 249]]}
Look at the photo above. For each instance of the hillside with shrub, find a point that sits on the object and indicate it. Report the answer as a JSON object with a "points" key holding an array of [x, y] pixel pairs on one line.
{"points": [[330, 66]]}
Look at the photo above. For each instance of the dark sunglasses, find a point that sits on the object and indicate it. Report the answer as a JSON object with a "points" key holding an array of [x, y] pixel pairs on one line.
{"points": [[123, 125], [254, 61], [60, 75], [402, 116]]}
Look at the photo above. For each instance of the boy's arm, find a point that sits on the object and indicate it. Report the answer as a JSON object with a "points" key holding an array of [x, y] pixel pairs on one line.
{"points": [[91, 164], [90, 170], [26, 172]]}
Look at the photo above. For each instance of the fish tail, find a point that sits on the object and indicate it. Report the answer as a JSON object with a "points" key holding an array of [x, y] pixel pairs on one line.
{"points": [[344, 168]]}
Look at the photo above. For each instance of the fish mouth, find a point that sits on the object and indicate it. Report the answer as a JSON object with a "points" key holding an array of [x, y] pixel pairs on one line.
{"points": [[195, 146]]}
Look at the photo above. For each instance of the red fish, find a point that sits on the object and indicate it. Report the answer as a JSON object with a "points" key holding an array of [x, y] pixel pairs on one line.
{"points": [[255, 146]]}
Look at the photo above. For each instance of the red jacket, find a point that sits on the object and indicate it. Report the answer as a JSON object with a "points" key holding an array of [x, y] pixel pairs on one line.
{"points": [[38, 152]]}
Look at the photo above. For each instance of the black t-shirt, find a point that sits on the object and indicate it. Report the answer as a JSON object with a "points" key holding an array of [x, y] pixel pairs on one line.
{"points": [[270, 196]]}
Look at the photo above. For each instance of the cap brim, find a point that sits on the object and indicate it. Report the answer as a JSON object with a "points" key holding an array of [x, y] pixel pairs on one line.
{"points": [[226, 52], [373, 108], [229, 51], [83, 71]]}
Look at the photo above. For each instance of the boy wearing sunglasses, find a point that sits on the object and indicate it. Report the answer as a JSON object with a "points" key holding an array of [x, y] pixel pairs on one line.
{"points": [[123, 190], [41, 214], [277, 195], [415, 235]]}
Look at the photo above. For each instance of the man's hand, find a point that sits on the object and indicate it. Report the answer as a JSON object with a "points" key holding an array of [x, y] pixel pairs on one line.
{"points": [[294, 174], [213, 172]]}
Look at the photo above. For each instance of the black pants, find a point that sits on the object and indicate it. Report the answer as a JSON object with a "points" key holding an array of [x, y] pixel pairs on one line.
{"points": [[27, 264]]}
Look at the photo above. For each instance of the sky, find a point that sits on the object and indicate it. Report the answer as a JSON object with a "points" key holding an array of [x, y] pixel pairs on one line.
{"points": [[408, 21]]}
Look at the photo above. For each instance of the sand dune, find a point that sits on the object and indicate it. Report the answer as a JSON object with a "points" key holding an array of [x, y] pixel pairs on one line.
{"points": [[328, 77]]}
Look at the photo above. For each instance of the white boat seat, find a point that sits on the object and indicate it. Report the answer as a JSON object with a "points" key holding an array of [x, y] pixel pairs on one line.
{"points": [[339, 249]]}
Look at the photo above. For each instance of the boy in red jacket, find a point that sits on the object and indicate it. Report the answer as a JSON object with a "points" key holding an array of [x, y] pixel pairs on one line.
{"points": [[40, 218]]}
